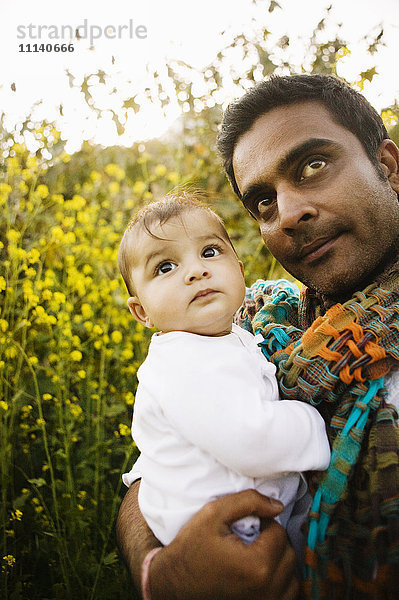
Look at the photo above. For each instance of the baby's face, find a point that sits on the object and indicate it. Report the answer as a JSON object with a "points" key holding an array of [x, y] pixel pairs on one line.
{"points": [[190, 280]]}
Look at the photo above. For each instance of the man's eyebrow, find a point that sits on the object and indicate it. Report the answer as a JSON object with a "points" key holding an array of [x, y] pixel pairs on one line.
{"points": [[296, 153]]}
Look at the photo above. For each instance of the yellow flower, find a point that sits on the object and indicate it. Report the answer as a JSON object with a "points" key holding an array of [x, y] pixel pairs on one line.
{"points": [[3, 325], [86, 310], [160, 170], [42, 190], [97, 330], [116, 337], [11, 352], [127, 354], [82, 374], [95, 176], [23, 188], [65, 157], [75, 410], [115, 171], [59, 297], [76, 355], [68, 222], [3, 405], [13, 235], [3, 284], [173, 177], [88, 325], [77, 203], [47, 294], [58, 198], [31, 162], [9, 560], [129, 398], [5, 188], [139, 187], [113, 188], [83, 217], [124, 430]]}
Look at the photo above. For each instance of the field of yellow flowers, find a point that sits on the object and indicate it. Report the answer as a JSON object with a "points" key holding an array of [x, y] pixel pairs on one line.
{"points": [[68, 356], [69, 352]]}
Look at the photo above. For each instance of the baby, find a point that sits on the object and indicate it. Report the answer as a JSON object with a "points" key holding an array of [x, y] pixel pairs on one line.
{"points": [[207, 416]]}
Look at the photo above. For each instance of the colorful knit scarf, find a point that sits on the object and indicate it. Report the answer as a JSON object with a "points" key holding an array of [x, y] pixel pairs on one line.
{"points": [[337, 363]]}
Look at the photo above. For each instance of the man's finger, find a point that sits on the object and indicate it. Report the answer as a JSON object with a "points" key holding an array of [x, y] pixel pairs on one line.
{"points": [[249, 502]]}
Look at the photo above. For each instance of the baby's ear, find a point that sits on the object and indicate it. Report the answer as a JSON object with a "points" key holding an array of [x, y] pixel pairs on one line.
{"points": [[138, 312]]}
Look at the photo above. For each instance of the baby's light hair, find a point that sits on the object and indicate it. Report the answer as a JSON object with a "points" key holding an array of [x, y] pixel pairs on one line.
{"points": [[159, 212]]}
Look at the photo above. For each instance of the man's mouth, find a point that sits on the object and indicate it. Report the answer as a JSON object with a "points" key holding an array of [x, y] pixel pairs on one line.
{"points": [[316, 249]]}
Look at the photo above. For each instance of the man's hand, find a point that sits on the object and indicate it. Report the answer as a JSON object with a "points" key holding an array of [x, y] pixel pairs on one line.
{"points": [[207, 562]]}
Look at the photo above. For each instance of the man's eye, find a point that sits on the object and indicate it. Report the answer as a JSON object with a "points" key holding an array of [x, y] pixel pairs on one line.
{"points": [[264, 204], [312, 167], [210, 252], [165, 267]]}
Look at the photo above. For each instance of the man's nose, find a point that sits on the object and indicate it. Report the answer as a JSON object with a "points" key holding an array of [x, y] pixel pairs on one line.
{"points": [[294, 209], [195, 271]]}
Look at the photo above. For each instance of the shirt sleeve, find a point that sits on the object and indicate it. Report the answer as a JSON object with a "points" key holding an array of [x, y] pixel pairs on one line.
{"points": [[133, 475], [219, 406]]}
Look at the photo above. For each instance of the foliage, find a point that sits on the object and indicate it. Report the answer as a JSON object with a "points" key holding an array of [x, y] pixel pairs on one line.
{"points": [[69, 349]]}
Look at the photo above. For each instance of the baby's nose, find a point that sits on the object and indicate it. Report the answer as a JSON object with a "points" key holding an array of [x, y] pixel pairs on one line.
{"points": [[196, 272]]}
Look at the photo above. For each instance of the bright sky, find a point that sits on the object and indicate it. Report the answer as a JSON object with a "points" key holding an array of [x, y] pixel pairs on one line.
{"points": [[177, 29]]}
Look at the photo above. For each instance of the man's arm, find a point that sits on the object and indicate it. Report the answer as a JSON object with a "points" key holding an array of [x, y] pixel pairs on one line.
{"points": [[207, 561], [135, 539]]}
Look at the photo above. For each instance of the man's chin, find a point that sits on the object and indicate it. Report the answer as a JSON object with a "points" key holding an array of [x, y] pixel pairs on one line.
{"points": [[337, 288]]}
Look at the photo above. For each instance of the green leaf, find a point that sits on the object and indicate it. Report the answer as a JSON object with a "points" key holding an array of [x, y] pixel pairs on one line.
{"points": [[38, 482]]}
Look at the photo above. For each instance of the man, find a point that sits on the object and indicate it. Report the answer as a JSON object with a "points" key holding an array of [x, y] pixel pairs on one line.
{"points": [[312, 163]]}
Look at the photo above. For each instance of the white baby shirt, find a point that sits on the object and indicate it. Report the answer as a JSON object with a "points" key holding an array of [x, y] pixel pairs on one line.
{"points": [[208, 421]]}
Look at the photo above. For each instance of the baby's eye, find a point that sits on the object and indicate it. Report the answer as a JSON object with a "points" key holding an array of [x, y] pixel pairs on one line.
{"points": [[210, 252], [312, 167], [165, 267]]}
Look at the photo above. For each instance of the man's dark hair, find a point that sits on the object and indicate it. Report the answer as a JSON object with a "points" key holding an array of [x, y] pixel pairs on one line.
{"points": [[347, 107]]}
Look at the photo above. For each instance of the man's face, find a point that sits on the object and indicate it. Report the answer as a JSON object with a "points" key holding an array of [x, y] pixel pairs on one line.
{"points": [[323, 210]]}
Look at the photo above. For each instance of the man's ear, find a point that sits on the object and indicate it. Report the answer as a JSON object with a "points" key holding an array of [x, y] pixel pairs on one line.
{"points": [[388, 157], [241, 267], [138, 312]]}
